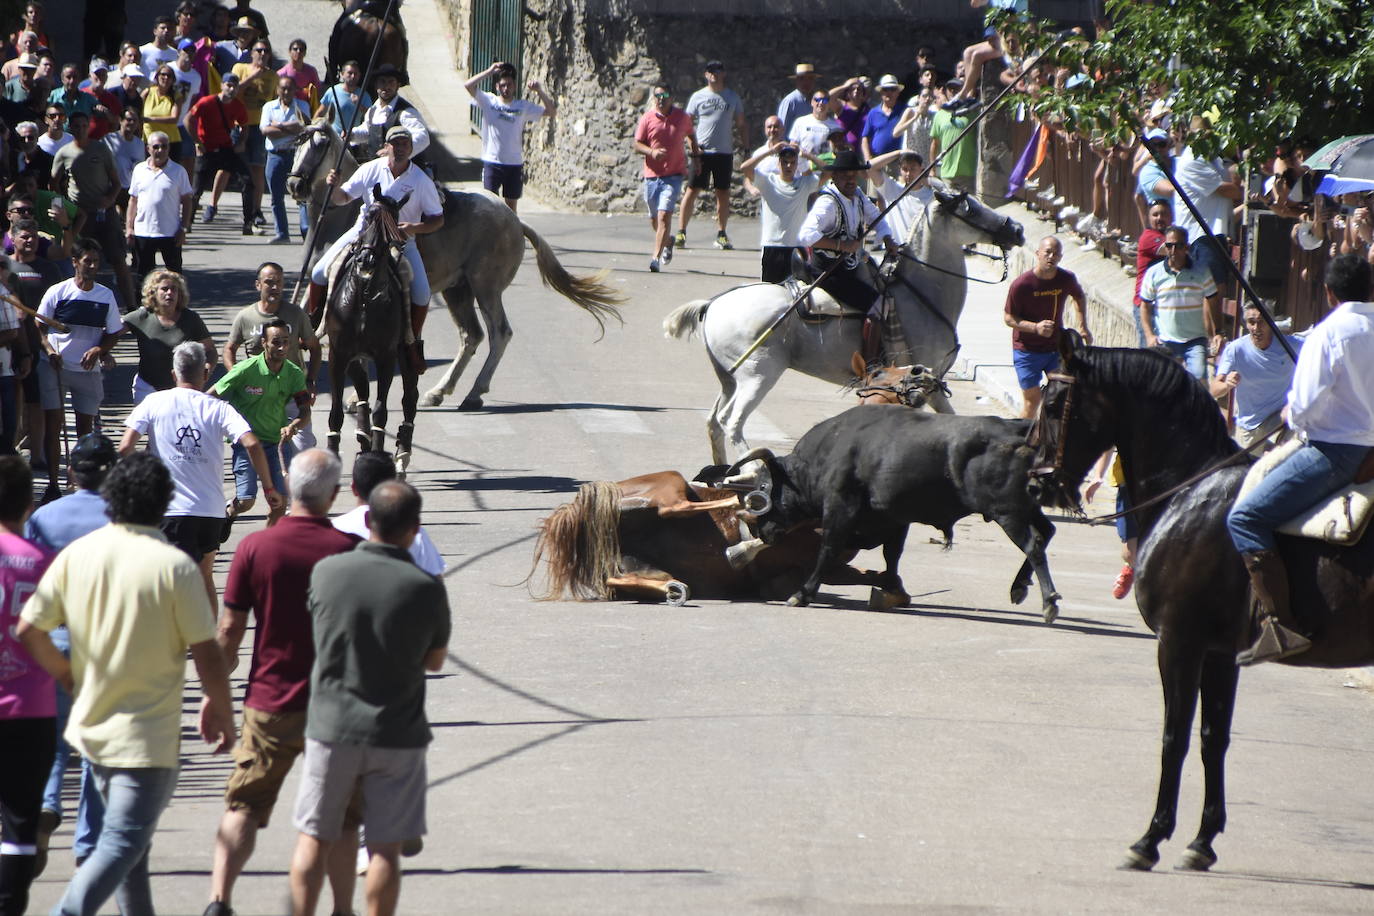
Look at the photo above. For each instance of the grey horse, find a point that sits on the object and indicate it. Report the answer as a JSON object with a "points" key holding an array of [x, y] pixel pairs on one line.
{"points": [[472, 259], [928, 287]]}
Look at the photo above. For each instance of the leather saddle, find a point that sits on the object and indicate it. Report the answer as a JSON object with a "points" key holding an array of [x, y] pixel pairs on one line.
{"points": [[817, 305], [1340, 518]]}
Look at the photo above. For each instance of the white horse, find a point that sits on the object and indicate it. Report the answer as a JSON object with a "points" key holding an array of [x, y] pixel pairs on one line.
{"points": [[928, 289]]}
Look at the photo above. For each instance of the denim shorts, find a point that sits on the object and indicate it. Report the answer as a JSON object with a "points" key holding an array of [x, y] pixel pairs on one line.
{"points": [[661, 194], [246, 479], [1031, 365]]}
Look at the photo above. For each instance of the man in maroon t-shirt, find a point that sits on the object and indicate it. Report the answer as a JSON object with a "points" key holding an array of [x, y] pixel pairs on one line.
{"points": [[216, 122], [1035, 314], [270, 576], [1148, 253]]}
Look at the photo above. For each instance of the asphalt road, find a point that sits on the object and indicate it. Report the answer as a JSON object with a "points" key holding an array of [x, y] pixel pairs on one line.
{"points": [[955, 756]]}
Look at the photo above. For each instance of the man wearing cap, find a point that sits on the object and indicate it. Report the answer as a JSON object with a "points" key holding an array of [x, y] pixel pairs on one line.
{"points": [[127, 94], [216, 122], [422, 213], [716, 111], [503, 125], [159, 51], [239, 48], [878, 136], [784, 195], [387, 111], [797, 103], [107, 107], [21, 88], [659, 136], [834, 231], [1153, 184]]}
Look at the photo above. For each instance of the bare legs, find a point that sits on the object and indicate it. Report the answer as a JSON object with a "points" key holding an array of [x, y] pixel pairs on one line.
{"points": [[312, 857]]}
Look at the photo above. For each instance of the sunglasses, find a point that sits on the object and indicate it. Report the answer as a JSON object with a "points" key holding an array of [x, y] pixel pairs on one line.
{"points": [[663, 95], [260, 50], [56, 116], [1173, 244], [820, 98], [157, 146], [22, 211]]}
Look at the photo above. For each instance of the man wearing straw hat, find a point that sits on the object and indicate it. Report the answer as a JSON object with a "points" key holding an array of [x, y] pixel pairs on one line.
{"points": [[797, 102]]}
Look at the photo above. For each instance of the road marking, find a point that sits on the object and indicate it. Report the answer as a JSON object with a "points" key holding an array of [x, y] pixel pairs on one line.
{"points": [[760, 428], [463, 425], [604, 420]]}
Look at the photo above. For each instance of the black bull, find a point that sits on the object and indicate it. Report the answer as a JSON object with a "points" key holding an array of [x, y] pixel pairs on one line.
{"points": [[868, 474]]}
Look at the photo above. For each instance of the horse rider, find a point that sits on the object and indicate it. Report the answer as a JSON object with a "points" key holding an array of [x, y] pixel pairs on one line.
{"points": [[834, 231], [1331, 408], [422, 213], [387, 111]]}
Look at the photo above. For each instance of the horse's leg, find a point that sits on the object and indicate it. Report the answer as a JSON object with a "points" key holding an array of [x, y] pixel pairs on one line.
{"points": [[461, 308], [362, 410], [891, 593], [386, 370], [357, 375], [1219, 677], [410, 398], [499, 334], [1180, 674], [1032, 536], [337, 367], [753, 381]]}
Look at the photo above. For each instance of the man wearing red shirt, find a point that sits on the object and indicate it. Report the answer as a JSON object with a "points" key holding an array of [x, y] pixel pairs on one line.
{"points": [[105, 118], [1148, 253], [216, 122], [658, 138], [270, 576], [1035, 314]]}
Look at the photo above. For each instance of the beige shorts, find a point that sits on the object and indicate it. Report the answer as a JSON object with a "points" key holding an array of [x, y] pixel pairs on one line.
{"points": [[267, 749], [392, 780]]}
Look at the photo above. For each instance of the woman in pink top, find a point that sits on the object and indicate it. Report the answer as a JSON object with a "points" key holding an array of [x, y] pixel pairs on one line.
{"points": [[308, 86]]}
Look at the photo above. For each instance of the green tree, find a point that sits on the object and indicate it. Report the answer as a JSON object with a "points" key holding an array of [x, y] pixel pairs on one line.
{"points": [[1263, 69]]}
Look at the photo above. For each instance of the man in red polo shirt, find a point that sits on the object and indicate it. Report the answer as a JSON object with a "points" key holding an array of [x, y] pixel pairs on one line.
{"points": [[658, 138], [270, 575], [216, 122]]}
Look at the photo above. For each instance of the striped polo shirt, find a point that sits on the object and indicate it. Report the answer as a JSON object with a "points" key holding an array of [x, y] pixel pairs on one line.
{"points": [[1176, 296]]}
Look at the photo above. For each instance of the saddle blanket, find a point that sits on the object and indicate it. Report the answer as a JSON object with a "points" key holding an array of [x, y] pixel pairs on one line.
{"points": [[1341, 518]]}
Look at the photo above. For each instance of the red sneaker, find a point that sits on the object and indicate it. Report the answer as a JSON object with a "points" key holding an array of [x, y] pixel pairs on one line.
{"points": [[1124, 580]]}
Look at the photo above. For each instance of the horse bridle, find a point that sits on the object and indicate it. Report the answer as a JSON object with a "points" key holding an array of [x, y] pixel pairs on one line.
{"points": [[907, 392], [1034, 438]]}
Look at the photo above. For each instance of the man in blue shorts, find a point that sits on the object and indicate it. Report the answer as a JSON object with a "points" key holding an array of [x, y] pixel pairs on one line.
{"points": [[658, 138], [503, 126], [1035, 314]]}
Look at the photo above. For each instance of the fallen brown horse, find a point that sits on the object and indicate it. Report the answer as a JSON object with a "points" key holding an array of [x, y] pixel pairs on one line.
{"points": [[911, 386], [658, 537], [361, 24]]}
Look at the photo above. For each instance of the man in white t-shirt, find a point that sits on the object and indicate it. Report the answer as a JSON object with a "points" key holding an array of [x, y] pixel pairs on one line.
{"points": [[72, 358], [422, 213], [503, 126], [785, 195], [187, 428], [911, 208], [812, 131], [160, 50], [159, 209], [370, 469]]}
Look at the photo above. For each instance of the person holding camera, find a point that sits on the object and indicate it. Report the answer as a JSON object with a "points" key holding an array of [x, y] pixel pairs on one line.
{"points": [[217, 122]]}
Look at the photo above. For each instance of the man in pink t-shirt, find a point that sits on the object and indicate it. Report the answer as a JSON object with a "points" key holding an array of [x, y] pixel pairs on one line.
{"points": [[658, 138], [28, 701]]}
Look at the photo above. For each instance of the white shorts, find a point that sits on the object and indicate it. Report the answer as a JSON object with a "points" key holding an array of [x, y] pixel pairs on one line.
{"points": [[86, 388]]}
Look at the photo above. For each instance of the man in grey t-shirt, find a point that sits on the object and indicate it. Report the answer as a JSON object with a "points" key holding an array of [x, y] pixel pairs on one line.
{"points": [[715, 111]]}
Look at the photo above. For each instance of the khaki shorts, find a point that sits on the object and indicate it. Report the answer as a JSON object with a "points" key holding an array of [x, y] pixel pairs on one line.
{"points": [[267, 748], [393, 784]]}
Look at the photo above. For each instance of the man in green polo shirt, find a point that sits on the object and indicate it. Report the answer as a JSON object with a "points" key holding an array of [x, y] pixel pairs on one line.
{"points": [[260, 388]]}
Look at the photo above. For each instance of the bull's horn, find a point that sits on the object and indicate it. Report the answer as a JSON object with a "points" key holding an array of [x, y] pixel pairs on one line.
{"points": [[755, 454], [742, 554]]}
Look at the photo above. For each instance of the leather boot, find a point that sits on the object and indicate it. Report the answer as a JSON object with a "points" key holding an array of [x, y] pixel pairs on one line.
{"points": [[314, 300], [872, 342], [1270, 603]]}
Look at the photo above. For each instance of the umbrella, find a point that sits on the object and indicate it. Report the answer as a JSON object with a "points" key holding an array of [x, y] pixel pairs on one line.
{"points": [[1348, 162]]}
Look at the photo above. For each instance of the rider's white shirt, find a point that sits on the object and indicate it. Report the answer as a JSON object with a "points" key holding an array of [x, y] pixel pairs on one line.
{"points": [[1332, 398], [824, 219], [409, 118], [424, 196]]}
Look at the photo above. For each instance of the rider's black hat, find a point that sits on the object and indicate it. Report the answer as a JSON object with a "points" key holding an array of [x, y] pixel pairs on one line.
{"points": [[388, 70], [847, 160]]}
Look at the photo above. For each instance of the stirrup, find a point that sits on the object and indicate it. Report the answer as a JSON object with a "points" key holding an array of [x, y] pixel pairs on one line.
{"points": [[1275, 641]]}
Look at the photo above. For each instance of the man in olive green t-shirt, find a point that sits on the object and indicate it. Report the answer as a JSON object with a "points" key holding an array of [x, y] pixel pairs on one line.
{"points": [[260, 389]]}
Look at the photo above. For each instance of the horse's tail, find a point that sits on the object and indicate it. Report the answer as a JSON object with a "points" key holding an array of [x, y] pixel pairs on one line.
{"points": [[685, 320], [580, 544], [589, 293]]}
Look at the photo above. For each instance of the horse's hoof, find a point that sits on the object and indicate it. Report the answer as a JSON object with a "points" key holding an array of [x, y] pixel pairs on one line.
{"points": [[1019, 593], [1196, 860], [881, 599], [351, 405], [471, 402], [1051, 612], [432, 399], [677, 593], [1135, 861], [798, 600]]}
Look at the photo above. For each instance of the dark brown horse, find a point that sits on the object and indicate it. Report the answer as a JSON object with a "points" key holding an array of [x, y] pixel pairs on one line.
{"points": [[358, 28], [1190, 584], [367, 318]]}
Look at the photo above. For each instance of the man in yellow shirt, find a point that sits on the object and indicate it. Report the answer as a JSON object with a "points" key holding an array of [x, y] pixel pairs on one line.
{"points": [[133, 604]]}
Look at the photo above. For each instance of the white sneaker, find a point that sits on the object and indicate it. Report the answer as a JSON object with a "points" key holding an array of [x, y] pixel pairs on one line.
{"points": [[1084, 226], [1089, 245], [666, 255]]}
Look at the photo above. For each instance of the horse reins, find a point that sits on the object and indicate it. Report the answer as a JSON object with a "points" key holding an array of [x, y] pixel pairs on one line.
{"points": [[1006, 266]]}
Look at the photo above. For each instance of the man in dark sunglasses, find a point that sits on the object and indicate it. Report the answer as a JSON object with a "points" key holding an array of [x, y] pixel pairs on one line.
{"points": [[1181, 300]]}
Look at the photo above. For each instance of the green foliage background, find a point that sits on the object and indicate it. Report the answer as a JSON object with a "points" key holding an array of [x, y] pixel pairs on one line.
{"points": [[1269, 68]]}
